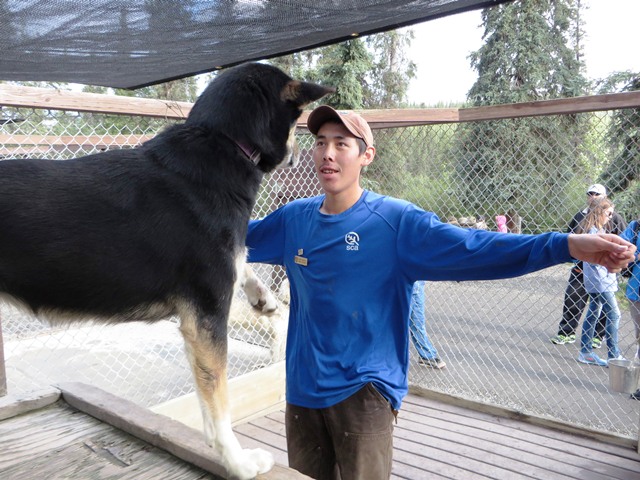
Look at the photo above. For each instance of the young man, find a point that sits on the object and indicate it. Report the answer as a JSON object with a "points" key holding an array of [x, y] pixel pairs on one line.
{"points": [[352, 257], [575, 295]]}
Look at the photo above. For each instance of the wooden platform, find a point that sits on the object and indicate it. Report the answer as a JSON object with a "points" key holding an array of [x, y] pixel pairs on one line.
{"points": [[79, 432], [434, 440], [59, 442]]}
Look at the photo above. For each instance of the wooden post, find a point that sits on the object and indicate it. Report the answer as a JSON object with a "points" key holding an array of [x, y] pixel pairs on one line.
{"points": [[3, 373]]}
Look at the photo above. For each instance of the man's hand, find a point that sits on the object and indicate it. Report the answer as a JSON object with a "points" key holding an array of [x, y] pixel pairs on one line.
{"points": [[604, 249]]}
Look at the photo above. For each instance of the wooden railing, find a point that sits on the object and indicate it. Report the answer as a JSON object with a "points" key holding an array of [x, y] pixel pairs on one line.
{"points": [[29, 97]]}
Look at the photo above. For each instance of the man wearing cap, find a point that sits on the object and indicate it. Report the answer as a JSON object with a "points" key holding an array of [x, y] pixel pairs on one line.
{"points": [[352, 257], [575, 295]]}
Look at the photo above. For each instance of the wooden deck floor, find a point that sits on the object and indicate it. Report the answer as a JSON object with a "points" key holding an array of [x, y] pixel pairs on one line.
{"points": [[434, 440], [59, 442], [86, 433]]}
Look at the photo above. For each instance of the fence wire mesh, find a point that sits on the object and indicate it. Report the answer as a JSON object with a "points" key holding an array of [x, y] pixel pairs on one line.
{"points": [[494, 336]]}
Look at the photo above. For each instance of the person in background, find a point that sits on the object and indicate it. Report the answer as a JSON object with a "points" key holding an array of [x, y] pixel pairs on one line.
{"points": [[352, 257], [631, 234], [428, 354], [501, 222], [601, 286], [575, 296]]}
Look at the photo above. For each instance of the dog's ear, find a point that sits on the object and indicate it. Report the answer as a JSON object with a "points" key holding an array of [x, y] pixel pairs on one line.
{"points": [[303, 93]]}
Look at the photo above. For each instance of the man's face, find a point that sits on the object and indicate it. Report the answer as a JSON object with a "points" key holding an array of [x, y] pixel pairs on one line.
{"points": [[337, 158], [592, 197]]}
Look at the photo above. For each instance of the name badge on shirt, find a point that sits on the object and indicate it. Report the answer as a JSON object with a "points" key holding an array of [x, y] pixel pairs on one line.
{"points": [[299, 259]]}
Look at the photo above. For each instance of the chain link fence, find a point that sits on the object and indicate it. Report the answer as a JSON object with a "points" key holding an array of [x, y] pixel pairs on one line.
{"points": [[494, 336]]}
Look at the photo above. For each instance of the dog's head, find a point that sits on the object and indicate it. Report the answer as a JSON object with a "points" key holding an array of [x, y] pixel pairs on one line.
{"points": [[257, 106]]}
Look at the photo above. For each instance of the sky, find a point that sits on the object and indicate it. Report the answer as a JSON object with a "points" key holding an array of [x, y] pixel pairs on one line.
{"points": [[441, 47]]}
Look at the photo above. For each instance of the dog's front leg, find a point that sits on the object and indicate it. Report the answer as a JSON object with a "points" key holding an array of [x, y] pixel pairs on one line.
{"points": [[207, 353]]}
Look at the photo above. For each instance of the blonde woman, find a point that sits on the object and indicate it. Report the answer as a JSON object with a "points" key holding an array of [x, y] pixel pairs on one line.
{"points": [[601, 287]]}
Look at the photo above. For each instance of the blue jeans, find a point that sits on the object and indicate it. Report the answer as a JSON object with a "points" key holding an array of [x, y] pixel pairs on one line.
{"points": [[417, 327], [605, 302]]}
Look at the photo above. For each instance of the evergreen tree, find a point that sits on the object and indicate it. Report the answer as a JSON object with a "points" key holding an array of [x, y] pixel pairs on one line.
{"points": [[300, 65], [531, 52], [392, 70], [622, 173], [367, 73], [346, 66]]}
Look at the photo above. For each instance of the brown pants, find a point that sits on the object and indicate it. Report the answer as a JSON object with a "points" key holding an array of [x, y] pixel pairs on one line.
{"points": [[352, 440]]}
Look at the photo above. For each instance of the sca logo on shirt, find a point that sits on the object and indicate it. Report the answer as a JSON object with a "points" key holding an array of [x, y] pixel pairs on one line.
{"points": [[353, 240]]}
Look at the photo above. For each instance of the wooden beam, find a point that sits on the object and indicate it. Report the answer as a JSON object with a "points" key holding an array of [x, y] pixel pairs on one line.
{"points": [[22, 151], [14, 405], [395, 118], [561, 106], [400, 117], [31, 97], [77, 140], [158, 430]]}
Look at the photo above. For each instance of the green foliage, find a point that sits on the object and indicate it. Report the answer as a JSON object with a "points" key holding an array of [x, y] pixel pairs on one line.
{"points": [[392, 70], [530, 53], [623, 172], [345, 66], [415, 164], [367, 73], [627, 202], [300, 65]]}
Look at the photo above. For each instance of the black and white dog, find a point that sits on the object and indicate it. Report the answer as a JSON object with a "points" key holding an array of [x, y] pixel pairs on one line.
{"points": [[159, 230]]}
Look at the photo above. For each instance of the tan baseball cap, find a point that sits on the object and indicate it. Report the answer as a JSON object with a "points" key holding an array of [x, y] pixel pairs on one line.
{"points": [[353, 122]]}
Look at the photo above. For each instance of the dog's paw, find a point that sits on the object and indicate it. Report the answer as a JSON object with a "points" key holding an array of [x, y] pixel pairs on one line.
{"points": [[268, 302], [263, 460], [260, 297], [250, 463]]}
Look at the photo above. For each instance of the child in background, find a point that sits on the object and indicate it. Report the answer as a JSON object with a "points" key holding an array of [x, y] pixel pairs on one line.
{"points": [[601, 287], [501, 221]]}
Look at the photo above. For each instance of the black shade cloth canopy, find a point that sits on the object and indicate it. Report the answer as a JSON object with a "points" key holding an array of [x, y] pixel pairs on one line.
{"points": [[134, 43]]}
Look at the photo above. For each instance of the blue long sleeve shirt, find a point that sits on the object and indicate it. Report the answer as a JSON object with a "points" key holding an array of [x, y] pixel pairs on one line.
{"points": [[351, 277], [633, 285]]}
